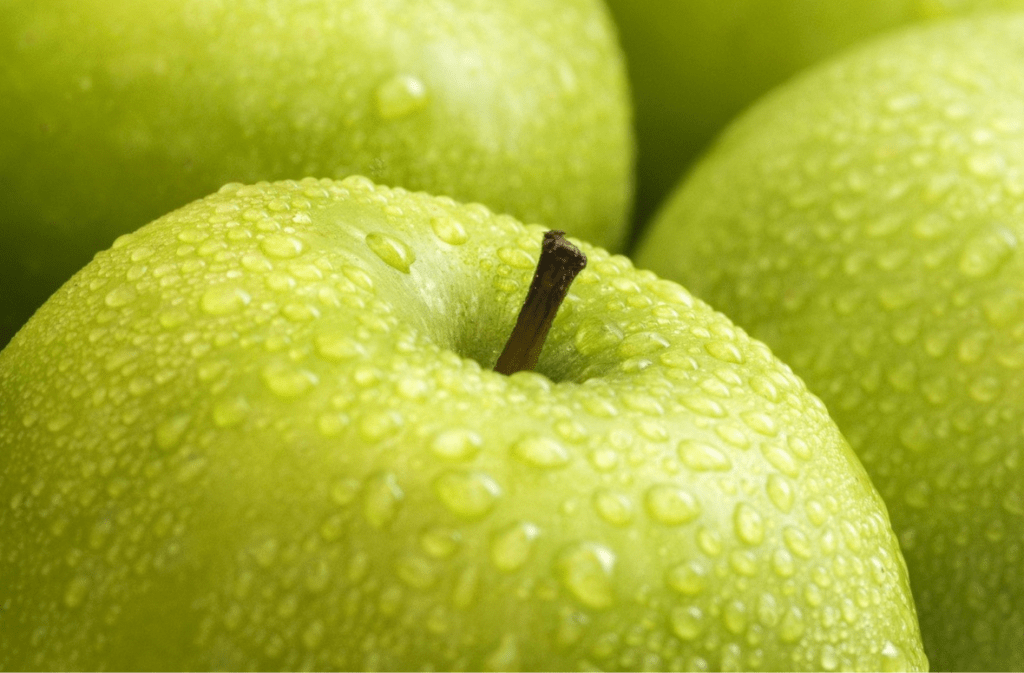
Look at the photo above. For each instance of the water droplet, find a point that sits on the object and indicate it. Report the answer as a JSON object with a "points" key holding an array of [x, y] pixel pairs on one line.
{"points": [[541, 452], [780, 459], [169, 432], [734, 617], [287, 381], [702, 457], [614, 508], [517, 258], [75, 592], [376, 426], [120, 296], [505, 657], [440, 543], [791, 628], [748, 524], [382, 499], [761, 422], [282, 246], [456, 444], [586, 571], [796, 541], [511, 546], [338, 347], [780, 492], [687, 578], [687, 621], [224, 299], [400, 96], [417, 572], [449, 230], [596, 335], [703, 405], [893, 658], [392, 251], [641, 343], [468, 494], [769, 612], [671, 505], [724, 351], [987, 252]]}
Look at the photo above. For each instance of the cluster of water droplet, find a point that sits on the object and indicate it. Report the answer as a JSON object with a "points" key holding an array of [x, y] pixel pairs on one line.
{"points": [[261, 429], [869, 230]]}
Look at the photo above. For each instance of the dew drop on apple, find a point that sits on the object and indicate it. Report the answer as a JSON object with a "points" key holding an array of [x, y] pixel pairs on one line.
{"points": [[780, 492], [702, 457], [540, 452], [170, 431], [671, 505], [400, 96], [417, 572], [287, 381], [224, 299], [893, 658], [687, 621], [230, 411], [614, 508], [687, 578], [470, 495], [596, 335], [456, 444], [780, 459], [702, 405], [282, 246], [796, 541], [586, 570], [382, 499], [449, 230], [640, 344], [74, 593], [120, 296], [511, 546], [440, 543], [392, 251]]}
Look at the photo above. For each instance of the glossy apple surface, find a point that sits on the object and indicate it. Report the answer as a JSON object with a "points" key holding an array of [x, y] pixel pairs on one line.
{"points": [[696, 64], [866, 222], [114, 112], [262, 432]]}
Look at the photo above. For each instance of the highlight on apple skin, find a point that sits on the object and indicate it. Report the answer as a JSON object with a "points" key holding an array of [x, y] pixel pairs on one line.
{"points": [[262, 432], [115, 112], [866, 221]]}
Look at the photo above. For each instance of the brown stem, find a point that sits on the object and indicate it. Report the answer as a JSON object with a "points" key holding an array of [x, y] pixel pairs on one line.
{"points": [[560, 262]]}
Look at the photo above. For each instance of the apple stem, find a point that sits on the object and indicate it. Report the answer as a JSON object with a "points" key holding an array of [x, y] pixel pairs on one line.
{"points": [[559, 264]]}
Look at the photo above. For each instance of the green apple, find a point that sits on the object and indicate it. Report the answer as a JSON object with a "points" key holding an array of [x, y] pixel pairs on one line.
{"points": [[695, 64], [263, 432], [116, 111], [866, 222]]}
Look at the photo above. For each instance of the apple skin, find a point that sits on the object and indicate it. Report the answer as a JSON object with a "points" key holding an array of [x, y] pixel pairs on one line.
{"points": [[695, 64], [116, 112], [865, 221], [262, 432]]}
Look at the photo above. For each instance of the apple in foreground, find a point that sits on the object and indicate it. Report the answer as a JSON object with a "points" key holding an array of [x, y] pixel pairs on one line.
{"points": [[695, 64], [866, 222], [264, 432], [115, 112]]}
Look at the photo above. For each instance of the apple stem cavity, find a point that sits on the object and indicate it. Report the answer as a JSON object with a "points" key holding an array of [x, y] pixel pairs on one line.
{"points": [[559, 264]]}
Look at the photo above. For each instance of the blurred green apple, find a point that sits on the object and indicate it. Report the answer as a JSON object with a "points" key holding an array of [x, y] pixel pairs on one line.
{"points": [[261, 432], [116, 111], [866, 222], [695, 64]]}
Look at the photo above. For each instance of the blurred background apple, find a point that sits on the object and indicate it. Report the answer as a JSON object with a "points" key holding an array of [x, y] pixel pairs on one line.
{"points": [[114, 112]]}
